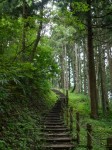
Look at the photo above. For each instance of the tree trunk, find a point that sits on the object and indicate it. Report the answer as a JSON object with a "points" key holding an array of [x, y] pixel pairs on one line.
{"points": [[24, 31], [92, 75], [69, 72], [62, 75], [72, 56], [80, 72], [85, 67], [104, 96], [38, 36], [77, 87], [65, 67], [109, 53]]}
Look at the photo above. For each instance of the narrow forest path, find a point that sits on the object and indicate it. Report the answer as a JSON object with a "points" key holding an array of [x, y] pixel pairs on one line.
{"points": [[55, 133]]}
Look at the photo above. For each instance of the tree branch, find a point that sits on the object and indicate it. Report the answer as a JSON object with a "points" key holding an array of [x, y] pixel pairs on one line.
{"points": [[38, 37], [109, 13]]}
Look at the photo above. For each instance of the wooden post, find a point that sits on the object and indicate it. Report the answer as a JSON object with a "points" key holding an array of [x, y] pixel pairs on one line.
{"points": [[71, 119], [66, 105], [78, 127], [66, 98], [67, 116], [64, 101], [89, 137], [109, 143]]}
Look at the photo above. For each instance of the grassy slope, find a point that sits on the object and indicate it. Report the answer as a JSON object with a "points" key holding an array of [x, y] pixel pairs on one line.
{"points": [[102, 128], [20, 124]]}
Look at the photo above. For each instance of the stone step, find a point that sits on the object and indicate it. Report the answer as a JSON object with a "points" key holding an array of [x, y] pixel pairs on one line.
{"points": [[53, 123], [52, 115], [55, 129], [58, 146], [52, 118], [54, 126], [46, 134], [52, 112], [56, 109], [58, 139]]}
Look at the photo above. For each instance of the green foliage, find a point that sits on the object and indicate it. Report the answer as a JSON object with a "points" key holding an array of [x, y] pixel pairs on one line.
{"points": [[20, 122], [24, 94], [71, 14], [21, 130], [44, 61], [52, 99], [24, 84], [79, 7], [101, 128], [80, 103]]}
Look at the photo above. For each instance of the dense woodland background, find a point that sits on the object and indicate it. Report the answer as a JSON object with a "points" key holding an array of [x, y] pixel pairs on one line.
{"points": [[44, 44]]}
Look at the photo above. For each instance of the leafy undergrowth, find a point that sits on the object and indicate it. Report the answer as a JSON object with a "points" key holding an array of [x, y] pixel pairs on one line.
{"points": [[101, 128], [20, 123]]}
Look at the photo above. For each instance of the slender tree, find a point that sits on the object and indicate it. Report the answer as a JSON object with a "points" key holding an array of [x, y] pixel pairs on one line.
{"points": [[91, 71]]}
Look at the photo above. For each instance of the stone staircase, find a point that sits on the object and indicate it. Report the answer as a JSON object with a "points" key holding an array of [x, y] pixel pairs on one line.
{"points": [[56, 135]]}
